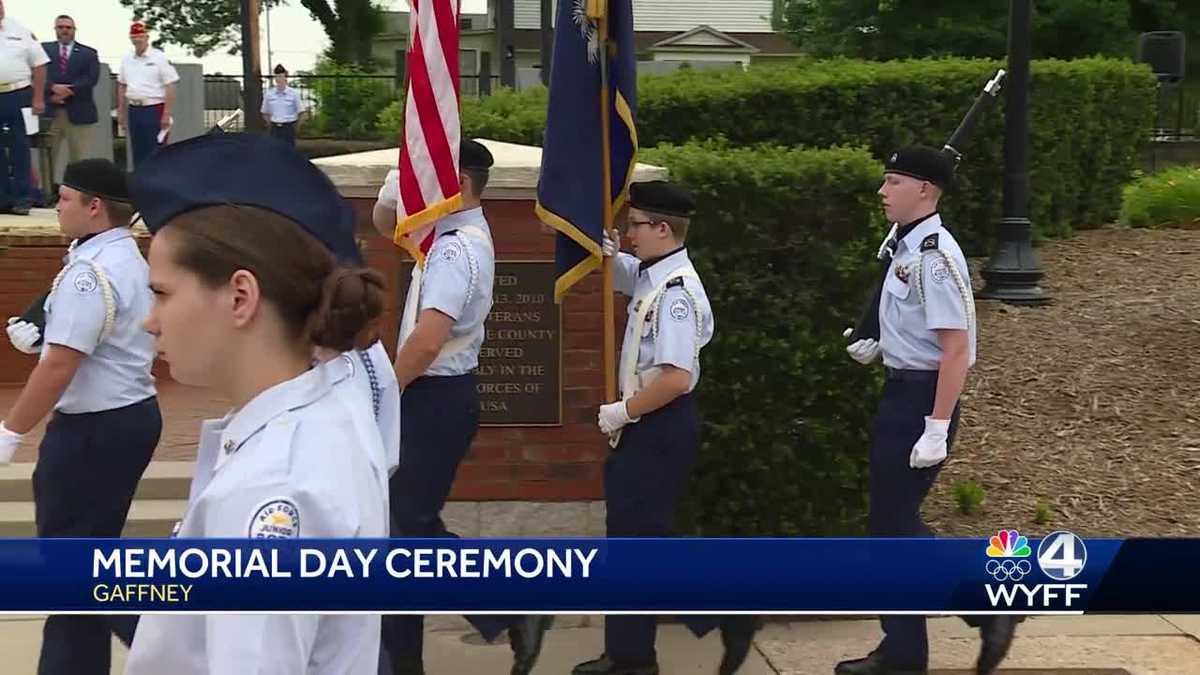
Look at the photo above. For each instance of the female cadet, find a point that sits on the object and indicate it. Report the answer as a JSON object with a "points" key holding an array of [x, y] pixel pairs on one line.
{"points": [[246, 287]]}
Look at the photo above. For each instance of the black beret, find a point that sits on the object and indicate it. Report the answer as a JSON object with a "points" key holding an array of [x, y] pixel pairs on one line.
{"points": [[246, 170], [280, 70], [100, 177], [662, 197], [474, 155], [922, 162]]}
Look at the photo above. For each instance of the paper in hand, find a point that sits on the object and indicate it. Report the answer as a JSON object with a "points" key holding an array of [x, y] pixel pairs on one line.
{"points": [[31, 121]]}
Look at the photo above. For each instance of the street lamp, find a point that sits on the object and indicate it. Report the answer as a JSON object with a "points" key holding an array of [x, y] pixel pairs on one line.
{"points": [[1013, 272]]}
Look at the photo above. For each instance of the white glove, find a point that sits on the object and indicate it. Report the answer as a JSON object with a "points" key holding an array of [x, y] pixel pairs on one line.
{"points": [[9, 440], [607, 246], [23, 335], [389, 194], [930, 449], [613, 416], [864, 351], [883, 247]]}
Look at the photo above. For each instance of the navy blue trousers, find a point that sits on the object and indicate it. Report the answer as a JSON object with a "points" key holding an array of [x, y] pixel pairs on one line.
{"points": [[284, 132], [897, 491], [644, 479], [16, 170], [440, 418], [88, 468], [145, 122]]}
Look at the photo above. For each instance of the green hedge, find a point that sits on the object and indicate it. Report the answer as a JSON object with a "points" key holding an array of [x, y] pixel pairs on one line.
{"points": [[1088, 119], [781, 239], [1167, 199]]}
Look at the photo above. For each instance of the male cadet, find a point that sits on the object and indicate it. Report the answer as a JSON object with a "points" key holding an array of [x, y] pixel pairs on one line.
{"points": [[436, 359], [656, 420], [145, 94], [22, 85], [281, 107], [927, 339], [94, 373]]}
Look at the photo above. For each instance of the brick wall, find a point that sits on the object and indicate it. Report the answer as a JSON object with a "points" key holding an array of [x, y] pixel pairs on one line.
{"points": [[562, 463]]}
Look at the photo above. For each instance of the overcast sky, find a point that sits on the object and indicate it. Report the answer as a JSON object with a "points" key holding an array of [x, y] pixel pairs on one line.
{"points": [[104, 24]]}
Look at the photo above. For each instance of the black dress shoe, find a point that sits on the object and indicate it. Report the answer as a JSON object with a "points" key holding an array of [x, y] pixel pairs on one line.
{"points": [[997, 637], [873, 664], [20, 210], [737, 634], [525, 638], [605, 666]]}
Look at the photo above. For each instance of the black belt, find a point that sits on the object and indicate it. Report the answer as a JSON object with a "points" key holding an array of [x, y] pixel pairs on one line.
{"points": [[912, 375], [282, 124]]}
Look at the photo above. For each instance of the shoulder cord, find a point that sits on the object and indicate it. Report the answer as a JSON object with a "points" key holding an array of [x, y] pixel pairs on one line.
{"points": [[373, 377], [963, 290], [695, 312], [110, 305]]}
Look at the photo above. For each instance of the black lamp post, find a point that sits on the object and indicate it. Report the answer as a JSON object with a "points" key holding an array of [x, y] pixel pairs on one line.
{"points": [[1013, 272]]}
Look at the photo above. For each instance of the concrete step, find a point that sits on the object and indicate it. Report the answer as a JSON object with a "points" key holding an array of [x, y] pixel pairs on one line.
{"points": [[147, 518], [162, 481]]}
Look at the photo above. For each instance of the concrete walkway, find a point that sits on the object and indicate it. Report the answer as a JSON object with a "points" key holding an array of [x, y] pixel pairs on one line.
{"points": [[1087, 645]]}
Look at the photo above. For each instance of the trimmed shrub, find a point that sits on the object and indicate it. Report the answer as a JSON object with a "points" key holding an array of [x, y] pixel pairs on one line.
{"points": [[1088, 119], [782, 238]]}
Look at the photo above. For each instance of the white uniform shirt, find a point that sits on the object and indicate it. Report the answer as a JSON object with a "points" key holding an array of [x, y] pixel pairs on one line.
{"points": [[299, 460], [370, 375], [282, 107], [683, 317], [906, 324], [146, 77], [19, 53], [458, 278], [116, 371]]}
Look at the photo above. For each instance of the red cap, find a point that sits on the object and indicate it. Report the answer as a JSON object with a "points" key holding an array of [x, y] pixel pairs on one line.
{"points": [[138, 28]]}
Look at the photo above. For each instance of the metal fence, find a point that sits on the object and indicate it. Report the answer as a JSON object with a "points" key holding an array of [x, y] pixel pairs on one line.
{"points": [[1178, 114], [336, 106]]}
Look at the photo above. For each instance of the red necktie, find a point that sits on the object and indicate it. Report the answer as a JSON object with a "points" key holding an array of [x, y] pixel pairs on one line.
{"points": [[62, 58]]}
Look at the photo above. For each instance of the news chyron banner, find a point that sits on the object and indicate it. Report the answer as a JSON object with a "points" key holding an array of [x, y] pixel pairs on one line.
{"points": [[1004, 572]]}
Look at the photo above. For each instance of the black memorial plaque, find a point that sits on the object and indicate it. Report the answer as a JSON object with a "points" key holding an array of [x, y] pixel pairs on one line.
{"points": [[520, 364]]}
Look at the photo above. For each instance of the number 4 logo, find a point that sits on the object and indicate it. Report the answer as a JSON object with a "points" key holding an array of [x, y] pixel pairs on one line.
{"points": [[1061, 555]]}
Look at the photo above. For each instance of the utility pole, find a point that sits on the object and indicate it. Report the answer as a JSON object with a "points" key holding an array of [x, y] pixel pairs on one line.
{"points": [[251, 69]]}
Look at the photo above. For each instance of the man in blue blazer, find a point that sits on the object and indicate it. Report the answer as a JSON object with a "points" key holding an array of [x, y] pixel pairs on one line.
{"points": [[71, 76]]}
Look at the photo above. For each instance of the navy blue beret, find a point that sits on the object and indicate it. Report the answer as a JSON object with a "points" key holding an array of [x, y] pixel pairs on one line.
{"points": [[474, 155], [662, 197], [923, 163], [244, 170], [99, 177]]}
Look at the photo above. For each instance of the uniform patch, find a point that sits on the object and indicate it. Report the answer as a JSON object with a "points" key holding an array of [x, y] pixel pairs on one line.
{"points": [[85, 282], [939, 271], [677, 282], [451, 252], [902, 273], [929, 243], [680, 309], [276, 519]]}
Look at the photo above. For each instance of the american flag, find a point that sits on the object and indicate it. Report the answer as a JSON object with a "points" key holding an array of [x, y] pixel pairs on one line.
{"points": [[428, 168]]}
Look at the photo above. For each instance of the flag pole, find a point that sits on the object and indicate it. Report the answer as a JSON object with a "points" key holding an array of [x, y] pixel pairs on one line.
{"points": [[598, 10]]}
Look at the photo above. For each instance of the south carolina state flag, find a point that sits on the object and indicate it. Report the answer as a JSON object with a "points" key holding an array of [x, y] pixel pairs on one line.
{"points": [[571, 186]]}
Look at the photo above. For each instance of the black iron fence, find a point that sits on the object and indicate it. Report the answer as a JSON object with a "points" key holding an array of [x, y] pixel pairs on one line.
{"points": [[1178, 111], [356, 107]]}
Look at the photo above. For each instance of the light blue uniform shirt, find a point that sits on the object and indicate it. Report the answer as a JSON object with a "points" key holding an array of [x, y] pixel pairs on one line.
{"points": [[683, 315], [116, 371], [459, 273], [282, 107], [906, 324], [299, 460]]}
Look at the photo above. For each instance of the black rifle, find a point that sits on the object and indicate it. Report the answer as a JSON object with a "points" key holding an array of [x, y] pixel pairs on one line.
{"points": [[868, 323]]}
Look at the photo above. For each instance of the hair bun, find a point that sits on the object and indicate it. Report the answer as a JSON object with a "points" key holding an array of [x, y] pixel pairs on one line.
{"points": [[351, 300]]}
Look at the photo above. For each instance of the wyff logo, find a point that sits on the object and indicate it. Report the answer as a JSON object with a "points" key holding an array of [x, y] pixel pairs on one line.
{"points": [[1061, 556]]}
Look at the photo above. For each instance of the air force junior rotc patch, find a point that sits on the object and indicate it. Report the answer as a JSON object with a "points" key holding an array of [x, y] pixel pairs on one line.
{"points": [[85, 282], [680, 309], [278, 518]]}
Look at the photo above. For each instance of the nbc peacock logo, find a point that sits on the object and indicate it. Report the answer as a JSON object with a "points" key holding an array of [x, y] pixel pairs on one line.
{"points": [[1003, 551]]}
